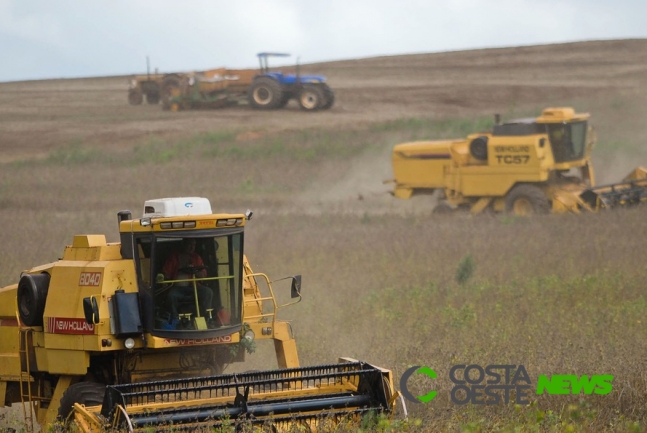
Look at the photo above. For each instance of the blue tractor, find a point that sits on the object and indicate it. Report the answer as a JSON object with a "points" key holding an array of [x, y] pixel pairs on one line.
{"points": [[271, 90]]}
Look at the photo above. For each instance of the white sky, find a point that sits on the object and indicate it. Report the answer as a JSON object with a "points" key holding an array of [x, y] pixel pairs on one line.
{"points": [[80, 38]]}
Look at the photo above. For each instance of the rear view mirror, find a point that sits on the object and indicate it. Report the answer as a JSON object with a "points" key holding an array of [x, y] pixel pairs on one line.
{"points": [[296, 286], [91, 310]]}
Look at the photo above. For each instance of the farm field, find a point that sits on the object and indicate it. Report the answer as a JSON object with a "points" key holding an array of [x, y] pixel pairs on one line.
{"points": [[559, 294]]}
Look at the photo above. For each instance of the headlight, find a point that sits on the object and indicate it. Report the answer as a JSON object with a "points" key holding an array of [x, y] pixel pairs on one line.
{"points": [[130, 343], [249, 335]]}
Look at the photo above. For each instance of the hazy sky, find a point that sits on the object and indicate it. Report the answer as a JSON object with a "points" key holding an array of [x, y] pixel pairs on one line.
{"points": [[79, 38]]}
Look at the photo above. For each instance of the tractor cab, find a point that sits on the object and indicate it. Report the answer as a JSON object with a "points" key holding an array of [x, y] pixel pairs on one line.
{"points": [[189, 265]]}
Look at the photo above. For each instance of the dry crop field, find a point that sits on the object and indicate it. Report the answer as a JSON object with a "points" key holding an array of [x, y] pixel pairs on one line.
{"points": [[559, 294]]}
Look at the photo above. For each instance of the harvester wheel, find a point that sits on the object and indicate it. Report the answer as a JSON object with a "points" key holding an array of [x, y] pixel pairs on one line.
{"points": [[311, 97], [32, 293], [135, 97], [86, 393], [329, 97], [526, 200], [153, 98], [265, 93]]}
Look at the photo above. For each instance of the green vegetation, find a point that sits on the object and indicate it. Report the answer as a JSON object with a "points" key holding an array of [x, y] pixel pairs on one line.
{"points": [[465, 269], [311, 146]]}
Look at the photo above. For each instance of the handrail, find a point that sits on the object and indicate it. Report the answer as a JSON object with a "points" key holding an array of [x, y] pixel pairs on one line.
{"points": [[267, 298], [270, 298], [226, 277], [22, 337]]}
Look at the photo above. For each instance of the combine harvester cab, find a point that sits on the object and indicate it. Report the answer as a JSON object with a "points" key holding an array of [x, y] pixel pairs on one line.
{"points": [[135, 335], [525, 166]]}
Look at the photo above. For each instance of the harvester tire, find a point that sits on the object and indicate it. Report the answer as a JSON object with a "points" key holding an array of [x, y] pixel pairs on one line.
{"points": [[329, 97], [32, 293], [526, 200], [311, 97], [265, 93], [478, 148], [135, 97], [86, 393], [153, 98]]}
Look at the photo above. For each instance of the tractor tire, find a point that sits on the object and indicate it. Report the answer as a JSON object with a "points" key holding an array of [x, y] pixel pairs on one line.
{"points": [[86, 393], [265, 93], [526, 199], [311, 97], [32, 294], [329, 97], [153, 98], [135, 97]]}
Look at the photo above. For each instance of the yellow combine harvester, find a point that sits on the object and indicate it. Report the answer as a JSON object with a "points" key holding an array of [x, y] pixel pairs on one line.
{"points": [[525, 166], [135, 335]]}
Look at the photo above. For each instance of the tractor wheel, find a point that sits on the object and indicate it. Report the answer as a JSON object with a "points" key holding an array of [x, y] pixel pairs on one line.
{"points": [[153, 98], [32, 293], [135, 97], [526, 200], [329, 97], [311, 97], [86, 393], [265, 93]]}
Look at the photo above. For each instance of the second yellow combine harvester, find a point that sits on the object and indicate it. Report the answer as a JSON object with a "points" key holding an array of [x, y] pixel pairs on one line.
{"points": [[535, 165], [108, 337]]}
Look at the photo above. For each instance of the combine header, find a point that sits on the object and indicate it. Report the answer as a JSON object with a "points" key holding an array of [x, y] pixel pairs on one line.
{"points": [[631, 191], [308, 396], [136, 334], [525, 166]]}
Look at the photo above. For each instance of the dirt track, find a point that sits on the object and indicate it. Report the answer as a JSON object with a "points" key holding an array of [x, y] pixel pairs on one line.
{"points": [[37, 116]]}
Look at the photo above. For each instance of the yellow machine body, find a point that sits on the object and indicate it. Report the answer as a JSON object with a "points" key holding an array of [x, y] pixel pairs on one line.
{"points": [[524, 166], [98, 318]]}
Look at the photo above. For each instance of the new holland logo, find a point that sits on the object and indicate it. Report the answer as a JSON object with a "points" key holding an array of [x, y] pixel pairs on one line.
{"points": [[66, 325]]}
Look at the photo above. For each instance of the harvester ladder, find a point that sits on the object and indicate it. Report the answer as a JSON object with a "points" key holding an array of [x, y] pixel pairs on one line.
{"points": [[27, 381], [25, 378]]}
